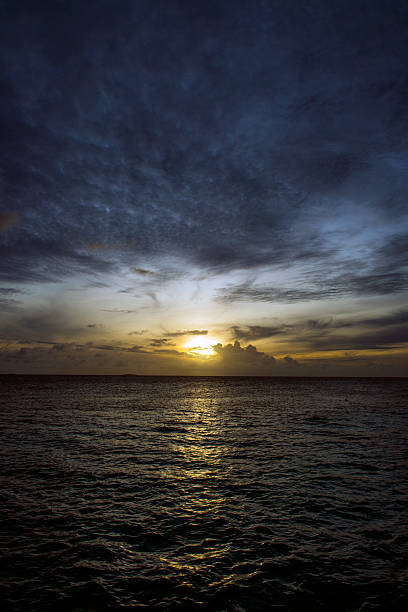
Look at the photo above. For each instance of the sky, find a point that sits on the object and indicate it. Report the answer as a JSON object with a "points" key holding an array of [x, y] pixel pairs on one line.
{"points": [[204, 188]]}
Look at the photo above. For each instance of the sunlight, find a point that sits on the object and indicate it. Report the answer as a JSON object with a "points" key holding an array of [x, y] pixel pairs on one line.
{"points": [[201, 345]]}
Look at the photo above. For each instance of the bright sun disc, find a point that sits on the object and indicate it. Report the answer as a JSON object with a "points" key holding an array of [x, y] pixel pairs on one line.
{"points": [[201, 345]]}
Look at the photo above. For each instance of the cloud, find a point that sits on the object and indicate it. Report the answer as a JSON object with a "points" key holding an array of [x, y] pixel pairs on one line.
{"points": [[386, 332], [10, 291], [165, 351], [8, 304], [278, 161], [161, 342], [188, 332], [257, 332], [53, 320], [321, 287], [383, 339], [119, 310], [246, 360], [143, 272], [399, 317]]}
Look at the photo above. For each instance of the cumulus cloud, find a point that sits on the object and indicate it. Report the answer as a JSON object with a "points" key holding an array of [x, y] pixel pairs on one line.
{"points": [[236, 359]]}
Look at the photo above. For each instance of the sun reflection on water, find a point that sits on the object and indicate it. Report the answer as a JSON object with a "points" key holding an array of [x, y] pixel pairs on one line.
{"points": [[203, 457]]}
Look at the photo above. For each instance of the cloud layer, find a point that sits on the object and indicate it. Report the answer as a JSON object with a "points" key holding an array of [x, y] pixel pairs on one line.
{"points": [[175, 169], [230, 137]]}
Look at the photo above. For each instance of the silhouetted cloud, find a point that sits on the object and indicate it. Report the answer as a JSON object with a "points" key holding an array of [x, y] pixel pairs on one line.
{"points": [[161, 342], [188, 332], [257, 332], [387, 331], [236, 359], [384, 339]]}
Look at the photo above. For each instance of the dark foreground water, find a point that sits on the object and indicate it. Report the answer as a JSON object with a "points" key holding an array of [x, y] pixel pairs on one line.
{"points": [[125, 493]]}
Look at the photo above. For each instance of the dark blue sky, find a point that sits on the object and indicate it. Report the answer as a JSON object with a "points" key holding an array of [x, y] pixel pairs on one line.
{"points": [[256, 150]]}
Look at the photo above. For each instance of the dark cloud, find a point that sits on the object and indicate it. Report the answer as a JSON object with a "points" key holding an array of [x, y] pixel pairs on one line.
{"points": [[161, 342], [383, 339], [53, 321], [243, 360], [165, 351], [386, 332], [321, 287], [290, 361], [257, 332], [7, 302], [395, 318], [188, 332], [90, 346], [10, 291], [225, 134]]}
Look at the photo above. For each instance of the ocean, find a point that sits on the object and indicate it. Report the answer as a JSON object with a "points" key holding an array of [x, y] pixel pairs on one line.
{"points": [[203, 493]]}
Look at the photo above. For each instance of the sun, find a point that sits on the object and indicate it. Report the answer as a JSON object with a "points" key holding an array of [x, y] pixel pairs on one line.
{"points": [[201, 345]]}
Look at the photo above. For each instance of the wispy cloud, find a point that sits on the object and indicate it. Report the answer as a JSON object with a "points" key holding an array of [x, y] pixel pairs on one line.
{"points": [[144, 182], [161, 342], [384, 332], [188, 332]]}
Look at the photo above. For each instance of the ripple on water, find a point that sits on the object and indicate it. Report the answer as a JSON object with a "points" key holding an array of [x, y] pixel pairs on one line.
{"points": [[203, 494]]}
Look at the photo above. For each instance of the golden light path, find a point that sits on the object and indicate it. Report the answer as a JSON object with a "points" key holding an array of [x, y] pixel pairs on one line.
{"points": [[201, 345]]}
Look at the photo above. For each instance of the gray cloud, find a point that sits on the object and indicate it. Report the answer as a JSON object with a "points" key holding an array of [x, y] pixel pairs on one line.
{"points": [[8, 304], [10, 291]]}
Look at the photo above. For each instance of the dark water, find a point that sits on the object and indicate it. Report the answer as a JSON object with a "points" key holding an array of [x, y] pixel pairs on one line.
{"points": [[204, 494]]}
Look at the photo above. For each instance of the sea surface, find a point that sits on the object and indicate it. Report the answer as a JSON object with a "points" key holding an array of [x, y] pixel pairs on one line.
{"points": [[196, 493]]}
